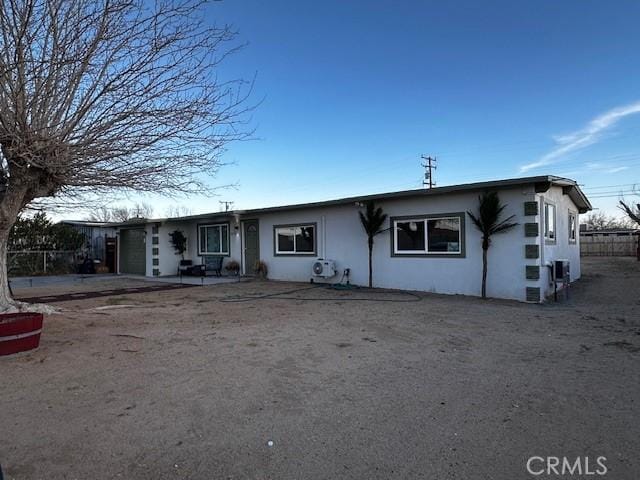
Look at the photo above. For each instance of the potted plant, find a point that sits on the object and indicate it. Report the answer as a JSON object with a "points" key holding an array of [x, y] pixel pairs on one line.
{"points": [[260, 269], [179, 243], [232, 267]]}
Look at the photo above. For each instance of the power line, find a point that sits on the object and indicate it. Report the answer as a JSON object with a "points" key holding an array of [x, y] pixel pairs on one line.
{"points": [[612, 195], [612, 186]]}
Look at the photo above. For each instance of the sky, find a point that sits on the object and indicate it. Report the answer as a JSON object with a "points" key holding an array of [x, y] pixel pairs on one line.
{"points": [[352, 93]]}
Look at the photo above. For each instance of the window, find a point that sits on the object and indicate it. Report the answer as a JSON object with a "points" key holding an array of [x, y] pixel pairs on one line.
{"points": [[549, 222], [411, 236], [213, 239], [425, 236], [443, 235], [573, 221], [295, 239]]}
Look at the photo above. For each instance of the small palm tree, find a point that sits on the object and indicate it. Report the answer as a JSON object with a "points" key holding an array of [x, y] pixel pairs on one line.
{"points": [[489, 223], [372, 221]]}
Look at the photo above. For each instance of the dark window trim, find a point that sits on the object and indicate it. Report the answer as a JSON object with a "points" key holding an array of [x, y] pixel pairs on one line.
{"points": [[435, 216], [204, 254], [296, 254]]}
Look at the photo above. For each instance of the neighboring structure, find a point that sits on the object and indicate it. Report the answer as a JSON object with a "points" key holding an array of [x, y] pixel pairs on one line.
{"points": [[430, 244], [100, 241], [610, 242]]}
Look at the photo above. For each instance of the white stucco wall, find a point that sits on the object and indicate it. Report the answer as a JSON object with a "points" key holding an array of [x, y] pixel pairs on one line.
{"points": [[346, 244], [340, 237], [168, 260], [561, 249]]}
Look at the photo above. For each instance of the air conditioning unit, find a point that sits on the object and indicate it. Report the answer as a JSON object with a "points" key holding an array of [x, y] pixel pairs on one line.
{"points": [[323, 268], [562, 271]]}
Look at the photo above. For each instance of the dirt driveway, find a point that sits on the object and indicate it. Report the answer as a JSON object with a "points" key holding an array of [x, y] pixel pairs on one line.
{"points": [[179, 385]]}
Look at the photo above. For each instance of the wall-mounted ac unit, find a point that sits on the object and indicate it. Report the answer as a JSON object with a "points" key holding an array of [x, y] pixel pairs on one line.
{"points": [[323, 268]]}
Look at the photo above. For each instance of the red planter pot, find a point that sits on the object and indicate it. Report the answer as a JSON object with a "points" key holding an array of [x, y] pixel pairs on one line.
{"points": [[19, 332]]}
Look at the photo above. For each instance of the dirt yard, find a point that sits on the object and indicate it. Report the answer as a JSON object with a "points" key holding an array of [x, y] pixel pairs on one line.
{"points": [[181, 385]]}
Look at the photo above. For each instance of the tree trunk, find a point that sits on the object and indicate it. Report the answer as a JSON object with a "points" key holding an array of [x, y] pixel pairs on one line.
{"points": [[370, 267], [6, 302], [484, 272], [12, 202]]}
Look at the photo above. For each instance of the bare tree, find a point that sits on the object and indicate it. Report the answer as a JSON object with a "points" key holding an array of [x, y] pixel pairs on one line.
{"points": [[633, 212], [101, 214], [173, 211], [602, 221], [141, 210], [97, 95], [121, 213]]}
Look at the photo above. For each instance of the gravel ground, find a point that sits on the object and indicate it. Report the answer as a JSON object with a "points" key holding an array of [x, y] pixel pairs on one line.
{"points": [[181, 385]]}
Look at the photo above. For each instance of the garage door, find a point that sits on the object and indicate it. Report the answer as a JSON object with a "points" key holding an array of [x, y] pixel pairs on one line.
{"points": [[133, 257]]}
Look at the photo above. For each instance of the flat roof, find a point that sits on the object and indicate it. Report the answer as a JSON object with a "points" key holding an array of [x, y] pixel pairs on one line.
{"points": [[88, 223], [541, 182]]}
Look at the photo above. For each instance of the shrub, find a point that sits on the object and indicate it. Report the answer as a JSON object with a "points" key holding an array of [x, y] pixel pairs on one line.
{"points": [[233, 267], [260, 269]]}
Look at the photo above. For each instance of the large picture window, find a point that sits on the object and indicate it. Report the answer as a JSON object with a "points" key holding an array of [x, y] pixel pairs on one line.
{"points": [[550, 222], [428, 235], [213, 239], [295, 239]]}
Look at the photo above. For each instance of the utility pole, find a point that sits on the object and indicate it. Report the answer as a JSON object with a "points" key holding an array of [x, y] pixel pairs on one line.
{"points": [[429, 165], [227, 205]]}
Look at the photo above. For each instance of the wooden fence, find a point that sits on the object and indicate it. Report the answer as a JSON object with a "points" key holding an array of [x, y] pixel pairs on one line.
{"points": [[610, 246]]}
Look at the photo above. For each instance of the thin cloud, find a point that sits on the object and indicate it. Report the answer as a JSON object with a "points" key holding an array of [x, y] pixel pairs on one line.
{"points": [[606, 168], [617, 169], [572, 142]]}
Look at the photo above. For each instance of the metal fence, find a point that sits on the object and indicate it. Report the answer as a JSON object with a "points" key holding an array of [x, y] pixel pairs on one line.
{"points": [[609, 246], [50, 262]]}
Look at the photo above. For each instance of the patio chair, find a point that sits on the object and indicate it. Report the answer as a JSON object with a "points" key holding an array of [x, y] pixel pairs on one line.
{"points": [[213, 264], [185, 267]]}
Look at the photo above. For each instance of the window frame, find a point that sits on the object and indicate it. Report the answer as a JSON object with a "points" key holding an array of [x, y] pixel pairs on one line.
{"points": [[460, 216], [547, 238], [294, 253], [201, 252], [574, 215]]}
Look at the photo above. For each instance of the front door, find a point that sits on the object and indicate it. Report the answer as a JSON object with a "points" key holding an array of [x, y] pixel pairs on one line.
{"points": [[251, 246]]}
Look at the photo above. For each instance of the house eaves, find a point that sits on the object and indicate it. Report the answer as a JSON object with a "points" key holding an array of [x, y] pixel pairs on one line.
{"points": [[541, 184]]}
